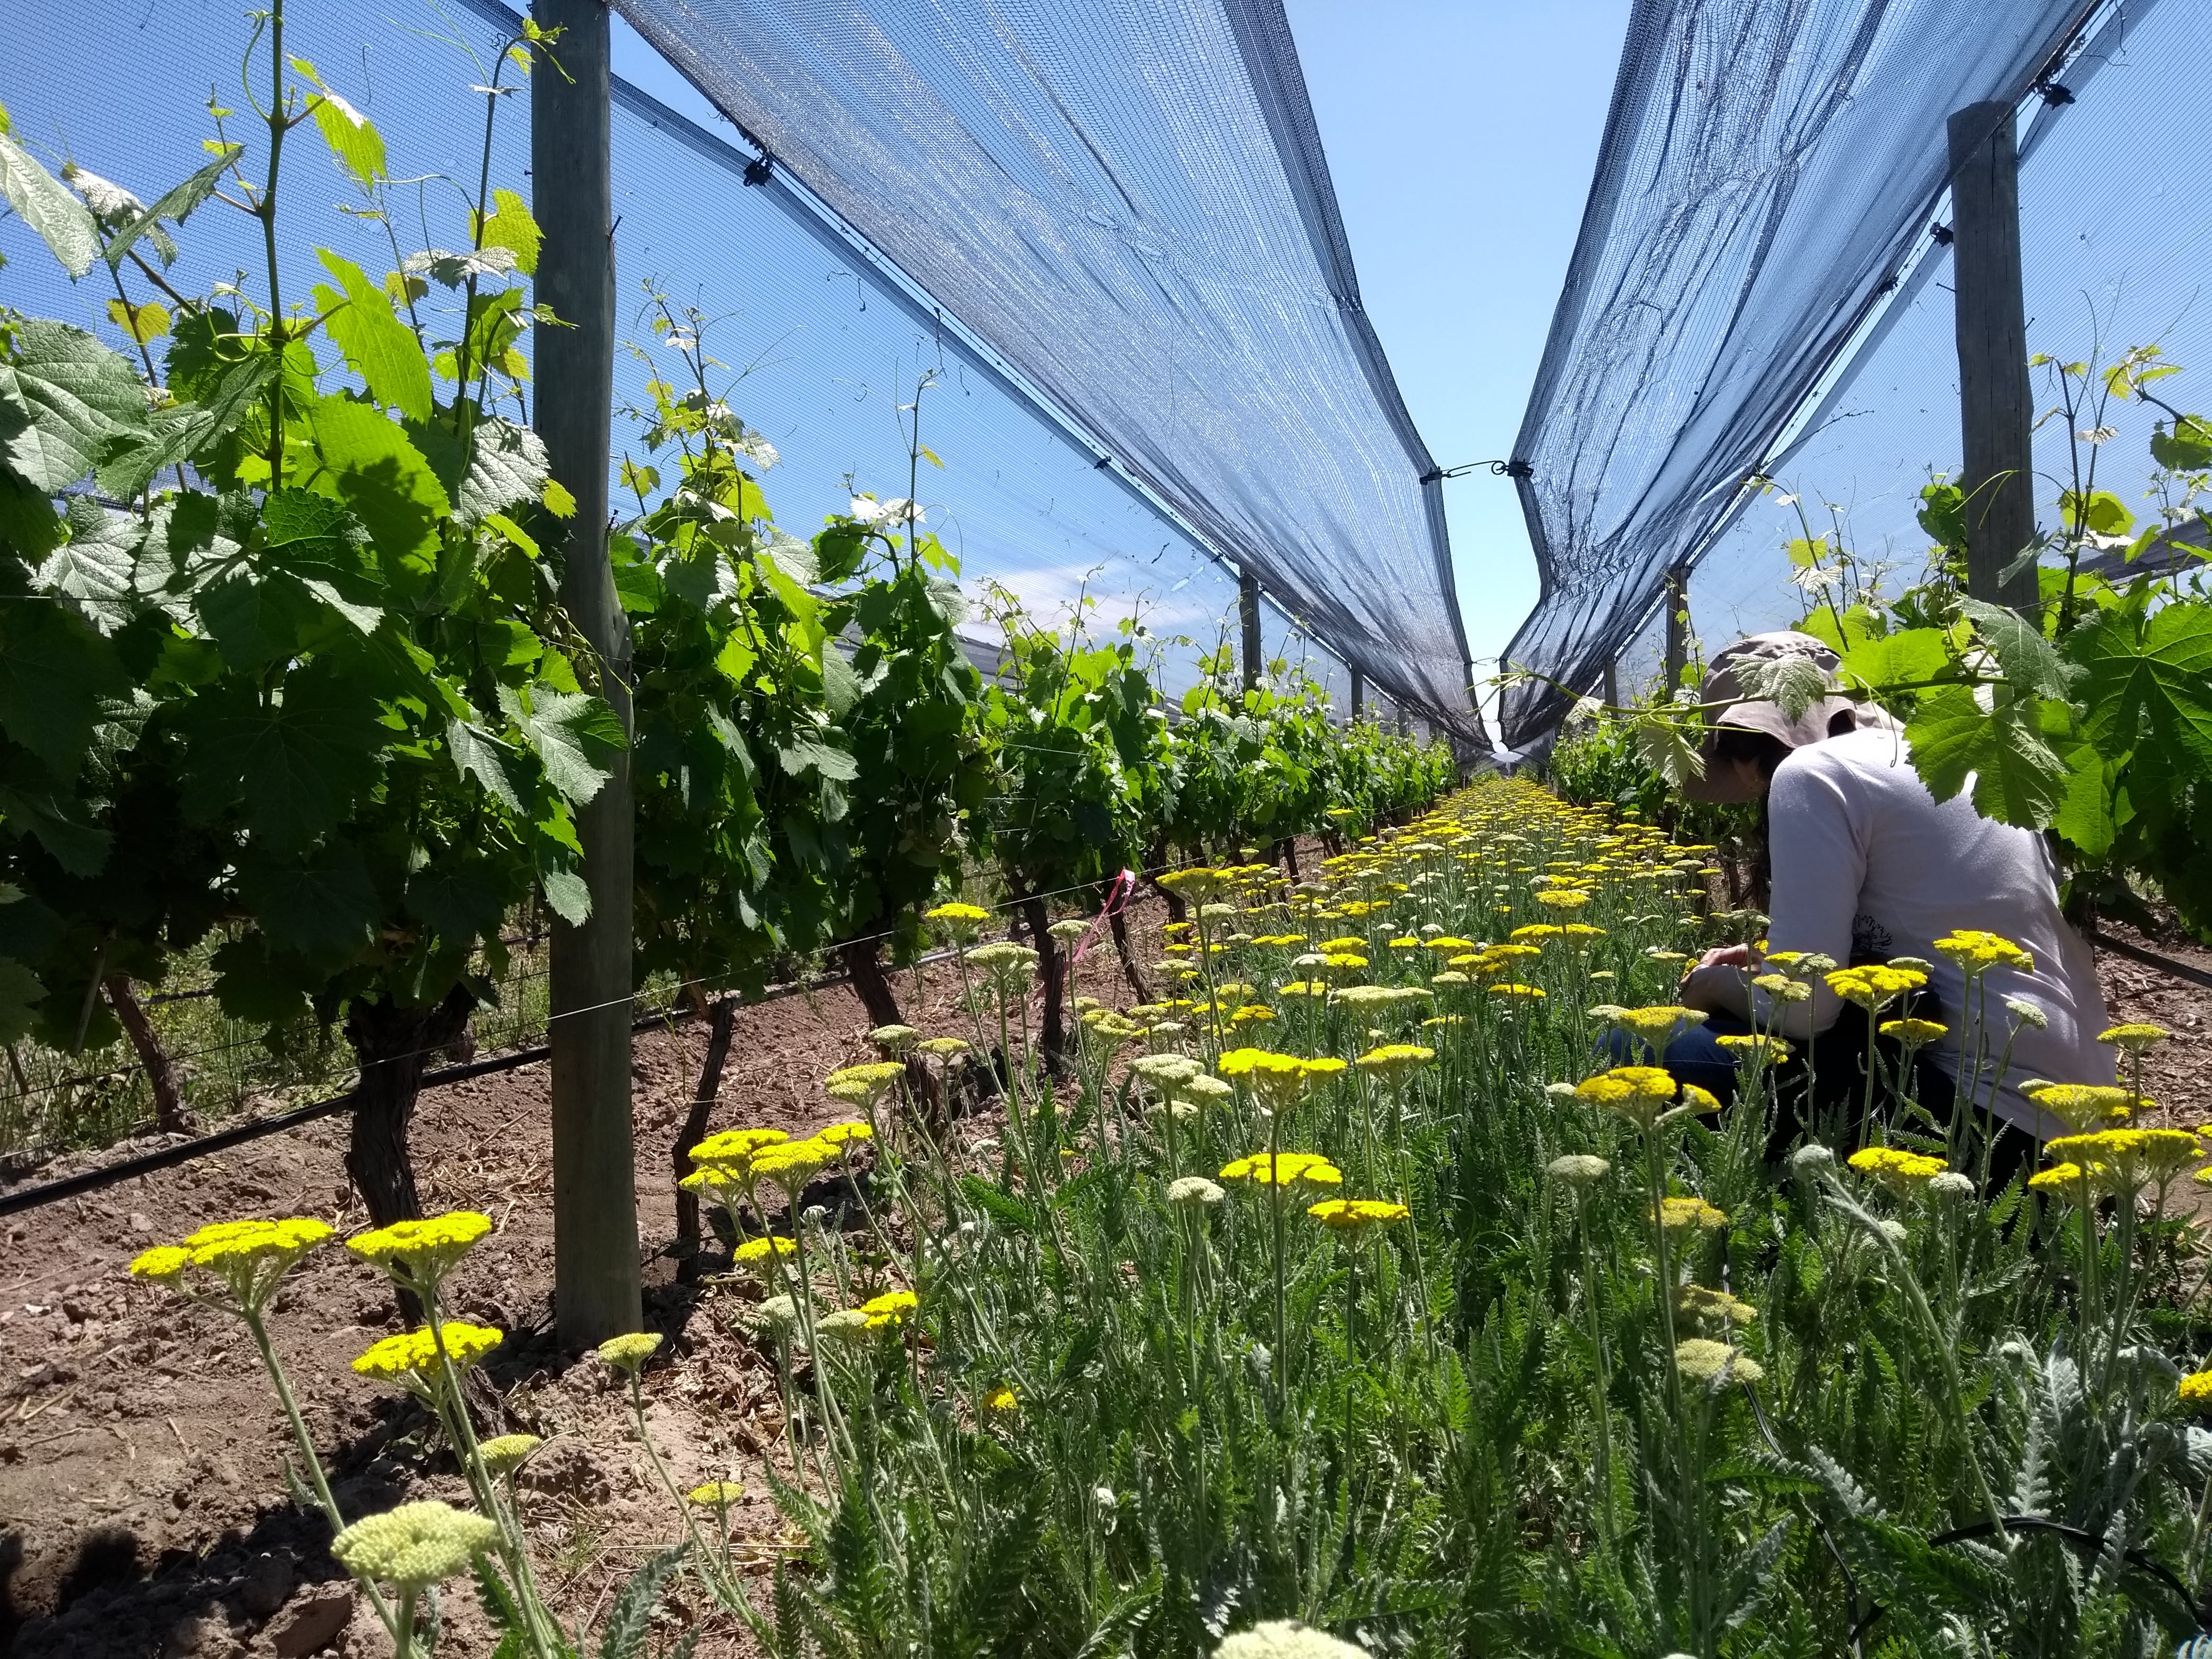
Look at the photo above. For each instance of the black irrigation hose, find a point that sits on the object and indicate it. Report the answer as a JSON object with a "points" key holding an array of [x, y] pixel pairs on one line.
{"points": [[166, 1157], [2180, 970], [2074, 1536]]}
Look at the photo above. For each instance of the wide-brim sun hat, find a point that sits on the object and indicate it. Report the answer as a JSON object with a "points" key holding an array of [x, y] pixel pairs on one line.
{"points": [[1723, 694]]}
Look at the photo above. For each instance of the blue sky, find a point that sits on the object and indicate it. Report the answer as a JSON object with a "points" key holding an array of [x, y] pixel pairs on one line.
{"points": [[1461, 137]]}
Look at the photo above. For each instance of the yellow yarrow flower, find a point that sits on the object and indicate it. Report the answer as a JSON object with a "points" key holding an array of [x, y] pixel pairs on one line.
{"points": [[1704, 1361], [2196, 1388], [503, 1454], [628, 1352], [1974, 952], [760, 1250], [890, 1309], [2079, 1105], [865, 1085], [846, 1134], [1563, 898], [716, 1494], [1002, 1399], [735, 1146], [1897, 1167], [960, 922], [1395, 1061], [792, 1163], [413, 1355], [2135, 1038], [415, 1545], [1914, 1032], [1284, 1170], [1874, 985], [421, 1253], [162, 1264], [1681, 1214], [1354, 1217]]}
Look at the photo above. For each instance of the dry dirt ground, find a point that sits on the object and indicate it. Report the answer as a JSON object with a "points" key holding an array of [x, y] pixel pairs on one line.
{"points": [[142, 1513]]}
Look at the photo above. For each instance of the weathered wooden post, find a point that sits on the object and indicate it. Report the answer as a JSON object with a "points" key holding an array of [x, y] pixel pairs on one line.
{"points": [[1608, 689], [595, 1267], [1678, 626], [1358, 696], [1996, 411], [1247, 612]]}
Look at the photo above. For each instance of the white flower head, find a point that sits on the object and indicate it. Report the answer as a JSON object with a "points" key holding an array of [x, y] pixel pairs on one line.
{"points": [[2028, 1013], [1811, 1158]]}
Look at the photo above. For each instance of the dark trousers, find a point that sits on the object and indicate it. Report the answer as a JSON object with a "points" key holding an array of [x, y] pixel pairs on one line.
{"points": [[1827, 1097]]}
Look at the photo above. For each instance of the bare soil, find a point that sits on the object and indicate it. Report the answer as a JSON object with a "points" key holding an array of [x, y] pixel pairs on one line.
{"points": [[144, 1505], [144, 1512]]}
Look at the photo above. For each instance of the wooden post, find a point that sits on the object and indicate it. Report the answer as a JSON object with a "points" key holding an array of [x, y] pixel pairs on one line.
{"points": [[1247, 612], [1678, 626], [595, 1267], [1608, 689], [1997, 412], [1358, 696]]}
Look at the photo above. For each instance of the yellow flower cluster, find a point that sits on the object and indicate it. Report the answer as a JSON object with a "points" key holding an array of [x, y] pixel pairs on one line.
{"points": [[1355, 1217], [1975, 952], [413, 1355], [1874, 985], [1896, 1166], [1266, 1169], [421, 1252]]}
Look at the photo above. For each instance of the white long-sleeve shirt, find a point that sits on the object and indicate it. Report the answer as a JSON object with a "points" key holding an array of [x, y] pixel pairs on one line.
{"points": [[1867, 863]]}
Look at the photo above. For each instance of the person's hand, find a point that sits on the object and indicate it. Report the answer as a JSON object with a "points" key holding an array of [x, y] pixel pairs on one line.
{"points": [[1728, 956], [1719, 987]]}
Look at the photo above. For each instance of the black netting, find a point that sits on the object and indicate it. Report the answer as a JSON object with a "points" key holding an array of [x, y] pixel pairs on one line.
{"points": [[1766, 178], [1127, 202]]}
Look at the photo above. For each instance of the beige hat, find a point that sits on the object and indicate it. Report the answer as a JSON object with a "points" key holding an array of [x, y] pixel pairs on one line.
{"points": [[1824, 718]]}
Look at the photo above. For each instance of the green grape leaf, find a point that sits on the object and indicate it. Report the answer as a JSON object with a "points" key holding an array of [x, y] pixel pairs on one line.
{"points": [[20, 994], [60, 823], [1905, 658], [479, 754], [48, 207], [381, 348], [809, 754], [511, 226], [96, 567], [460, 896], [2016, 778], [2163, 678], [256, 619], [508, 469], [2031, 664], [841, 686], [1669, 749], [64, 401], [2101, 513], [2085, 809], [28, 523], [176, 206], [573, 734], [257, 987], [372, 466], [292, 767], [352, 137], [564, 889], [2187, 447], [55, 674], [323, 909]]}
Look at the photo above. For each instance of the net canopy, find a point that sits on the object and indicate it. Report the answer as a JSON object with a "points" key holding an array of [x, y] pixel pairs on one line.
{"points": [[1128, 201], [823, 336], [1757, 231]]}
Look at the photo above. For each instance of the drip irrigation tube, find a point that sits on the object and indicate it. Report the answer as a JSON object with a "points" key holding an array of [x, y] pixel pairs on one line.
{"points": [[2180, 970], [167, 1158]]}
